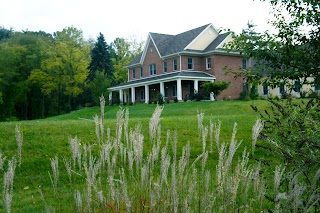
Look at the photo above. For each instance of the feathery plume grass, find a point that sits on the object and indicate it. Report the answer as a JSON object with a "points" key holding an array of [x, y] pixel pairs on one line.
{"points": [[78, 200], [217, 127], [200, 116], [97, 124], [75, 151], [8, 184], [155, 122], [256, 129], [55, 171], [19, 139], [102, 105]]}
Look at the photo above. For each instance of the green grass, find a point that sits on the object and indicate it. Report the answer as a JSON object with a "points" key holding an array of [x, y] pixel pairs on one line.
{"points": [[46, 138]]}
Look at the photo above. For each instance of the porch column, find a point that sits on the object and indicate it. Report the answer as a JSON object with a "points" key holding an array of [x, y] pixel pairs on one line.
{"points": [[196, 86], [146, 94], [125, 96], [121, 95], [133, 94], [110, 97], [162, 88], [179, 90]]}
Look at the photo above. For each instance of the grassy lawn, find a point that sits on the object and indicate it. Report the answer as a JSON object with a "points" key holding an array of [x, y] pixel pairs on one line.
{"points": [[46, 138]]}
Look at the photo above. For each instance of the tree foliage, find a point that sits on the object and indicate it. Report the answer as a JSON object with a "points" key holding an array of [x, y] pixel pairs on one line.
{"points": [[291, 53], [124, 51], [101, 59], [216, 87]]}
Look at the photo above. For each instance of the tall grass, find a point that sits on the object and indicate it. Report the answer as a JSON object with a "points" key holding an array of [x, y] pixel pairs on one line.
{"points": [[116, 174]]}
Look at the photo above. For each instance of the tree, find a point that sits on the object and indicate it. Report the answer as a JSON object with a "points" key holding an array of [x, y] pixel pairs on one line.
{"points": [[290, 54], [99, 86], [101, 59], [5, 33], [65, 70], [124, 51], [216, 87]]}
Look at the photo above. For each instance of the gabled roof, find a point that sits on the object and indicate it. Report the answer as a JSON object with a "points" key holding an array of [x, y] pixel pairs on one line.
{"points": [[174, 44]]}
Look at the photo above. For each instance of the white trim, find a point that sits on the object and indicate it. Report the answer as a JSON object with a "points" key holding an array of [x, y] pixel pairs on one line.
{"points": [[145, 50]]}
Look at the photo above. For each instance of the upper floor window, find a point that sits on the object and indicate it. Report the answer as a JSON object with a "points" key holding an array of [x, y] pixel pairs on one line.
{"points": [[152, 69], [208, 63], [133, 73], [244, 63], [165, 66], [190, 63], [141, 72], [175, 64]]}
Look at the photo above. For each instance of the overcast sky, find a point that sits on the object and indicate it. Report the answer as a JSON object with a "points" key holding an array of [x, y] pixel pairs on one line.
{"points": [[127, 18]]}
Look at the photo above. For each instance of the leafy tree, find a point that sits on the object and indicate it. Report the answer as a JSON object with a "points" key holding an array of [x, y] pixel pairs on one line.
{"points": [[216, 87], [65, 70], [124, 51], [291, 53], [101, 59], [5, 33], [99, 86]]}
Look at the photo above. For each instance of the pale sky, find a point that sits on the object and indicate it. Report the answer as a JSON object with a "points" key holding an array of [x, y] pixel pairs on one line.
{"points": [[127, 18]]}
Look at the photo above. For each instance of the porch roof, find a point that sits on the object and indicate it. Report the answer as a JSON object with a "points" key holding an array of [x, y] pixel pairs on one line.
{"points": [[183, 75]]}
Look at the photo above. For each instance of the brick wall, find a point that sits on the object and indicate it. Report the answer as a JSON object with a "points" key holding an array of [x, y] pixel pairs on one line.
{"points": [[218, 62]]}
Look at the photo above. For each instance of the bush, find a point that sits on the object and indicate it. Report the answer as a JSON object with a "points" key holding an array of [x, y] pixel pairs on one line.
{"points": [[292, 133]]}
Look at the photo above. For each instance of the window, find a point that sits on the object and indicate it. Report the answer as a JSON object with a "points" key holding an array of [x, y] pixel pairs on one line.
{"points": [[190, 63], [175, 65], [152, 69], [297, 86], [133, 73], [142, 96], [244, 63], [208, 63], [141, 72], [282, 90], [174, 91], [265, 90], [165, 66]]}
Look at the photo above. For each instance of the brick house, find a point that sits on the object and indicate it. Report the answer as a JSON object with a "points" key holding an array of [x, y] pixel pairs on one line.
{"points": [[176, 65]]}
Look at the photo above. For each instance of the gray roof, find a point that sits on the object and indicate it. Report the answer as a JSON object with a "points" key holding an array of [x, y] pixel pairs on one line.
{"points": [[182, 74], [171, 44]]}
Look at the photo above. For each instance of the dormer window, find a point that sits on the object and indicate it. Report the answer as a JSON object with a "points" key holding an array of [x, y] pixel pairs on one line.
{"points": [[152, 69], [190, 63]]}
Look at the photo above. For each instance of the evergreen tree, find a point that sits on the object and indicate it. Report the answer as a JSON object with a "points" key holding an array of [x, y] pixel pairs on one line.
{"points": [[101, 60]]}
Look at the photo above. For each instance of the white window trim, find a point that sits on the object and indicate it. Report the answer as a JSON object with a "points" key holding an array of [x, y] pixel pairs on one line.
{"points": [[174, 60], [133, 71], [268, 92], [153, 70], [208, 68], [165, 62]]}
